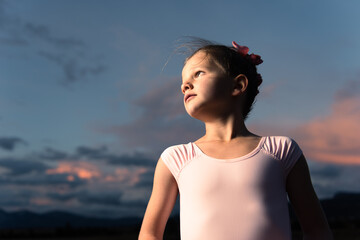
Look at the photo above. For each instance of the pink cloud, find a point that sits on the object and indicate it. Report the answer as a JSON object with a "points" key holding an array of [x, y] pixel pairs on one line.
{"points": [[336, 137], [83, 170], [128, 175], [333, 138]]}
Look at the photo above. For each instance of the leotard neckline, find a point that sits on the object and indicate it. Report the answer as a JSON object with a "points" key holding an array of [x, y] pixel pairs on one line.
{"points": [[240, 158]]}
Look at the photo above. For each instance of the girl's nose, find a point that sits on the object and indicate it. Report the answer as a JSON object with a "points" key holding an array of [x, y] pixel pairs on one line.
{"points": [[186, 86]]}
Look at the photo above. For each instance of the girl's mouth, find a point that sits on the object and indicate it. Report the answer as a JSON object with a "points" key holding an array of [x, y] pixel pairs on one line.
{"points": [[188, 97]]}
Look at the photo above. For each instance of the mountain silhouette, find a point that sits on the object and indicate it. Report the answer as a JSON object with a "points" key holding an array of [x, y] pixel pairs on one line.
{"points": [[53, 219]]}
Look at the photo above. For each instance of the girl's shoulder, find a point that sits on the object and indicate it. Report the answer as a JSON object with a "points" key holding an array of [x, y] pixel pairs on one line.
{"points": [[180, 150], [278, 140], [177, 156], [279, 144], [284, 149]]}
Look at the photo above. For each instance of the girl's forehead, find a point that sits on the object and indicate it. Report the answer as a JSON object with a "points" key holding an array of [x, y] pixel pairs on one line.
{"points": [[198, 59]]}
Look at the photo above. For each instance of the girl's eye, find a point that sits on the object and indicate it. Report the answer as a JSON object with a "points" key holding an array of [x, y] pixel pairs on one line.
{"points": [[198, 73]]}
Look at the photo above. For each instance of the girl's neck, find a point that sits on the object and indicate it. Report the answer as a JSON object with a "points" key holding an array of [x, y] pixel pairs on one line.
{"points": [[226, 129]]}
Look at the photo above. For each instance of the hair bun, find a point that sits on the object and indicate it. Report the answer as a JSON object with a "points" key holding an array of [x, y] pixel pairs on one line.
{"points": [[258, 79]]}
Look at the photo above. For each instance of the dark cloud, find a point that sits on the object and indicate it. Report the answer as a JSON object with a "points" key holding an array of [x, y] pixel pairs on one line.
{"points": [[91, 152], [329, 178], [11, 28], [48, 180], [113, 199], [23, 172], [349, 90], [43, 32], [87, 198], [95, 153], [52, 154], [136, 159], [17, 31], [64, 197], [17, 167], [9, 199], [328, 171], [69, 53], [138, 204], [9, 143], [162, 122], [71, 67], [146, 179]]}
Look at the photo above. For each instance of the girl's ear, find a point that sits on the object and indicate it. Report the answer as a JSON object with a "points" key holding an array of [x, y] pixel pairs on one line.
{"points": [[240, 84]]}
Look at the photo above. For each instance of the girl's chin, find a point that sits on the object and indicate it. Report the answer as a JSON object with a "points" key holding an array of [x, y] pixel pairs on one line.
{"points": [[196, 114]]}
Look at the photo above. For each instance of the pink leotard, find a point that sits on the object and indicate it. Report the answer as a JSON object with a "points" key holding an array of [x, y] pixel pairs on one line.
{"points": [[232, 199]]}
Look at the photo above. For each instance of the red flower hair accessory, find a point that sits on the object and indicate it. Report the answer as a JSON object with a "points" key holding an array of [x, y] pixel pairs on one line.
{"points": [[243, 50]]}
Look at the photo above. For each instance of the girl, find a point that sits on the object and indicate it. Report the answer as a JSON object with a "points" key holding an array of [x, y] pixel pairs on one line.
{"points": [[233, 184]]}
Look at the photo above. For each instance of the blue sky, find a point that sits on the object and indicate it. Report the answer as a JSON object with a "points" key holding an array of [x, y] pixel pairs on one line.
{"points": [[90, 93]]}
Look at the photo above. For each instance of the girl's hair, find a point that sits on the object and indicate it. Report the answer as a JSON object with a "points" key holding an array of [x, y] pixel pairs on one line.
{"points": [[232, 63]]}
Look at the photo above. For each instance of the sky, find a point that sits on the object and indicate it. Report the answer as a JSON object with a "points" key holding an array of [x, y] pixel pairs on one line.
{"points": [[90, 93]]}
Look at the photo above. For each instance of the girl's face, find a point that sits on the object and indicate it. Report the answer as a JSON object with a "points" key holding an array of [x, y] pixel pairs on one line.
{"points": [[207, 89]]}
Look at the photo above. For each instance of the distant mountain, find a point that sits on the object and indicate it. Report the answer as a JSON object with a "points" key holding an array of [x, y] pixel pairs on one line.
{"points": [[54, 219], [342, 207], [341, 211]]}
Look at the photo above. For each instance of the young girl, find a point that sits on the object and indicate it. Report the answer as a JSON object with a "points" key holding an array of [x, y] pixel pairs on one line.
{"points": [[233, 184]]}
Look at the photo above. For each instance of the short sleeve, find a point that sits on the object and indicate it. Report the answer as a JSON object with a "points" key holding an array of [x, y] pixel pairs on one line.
{"points": [[286, 150], [175, 158]]}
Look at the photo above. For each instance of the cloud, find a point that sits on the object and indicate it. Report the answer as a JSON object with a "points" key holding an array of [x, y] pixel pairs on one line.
{"points": [[135, 159], [335, 137], [20, 31], [88, 198], [71, 66], [95, 154], [130, 176], [43, 32], [26, 172], [12, 198], [350, 90], [42, 180], [100, 199], [52, 154], [162, 120], [98, 172], [82, 170], [332, 138], [146, 179], [17, 167], [69, 53], [91, 152], [329, 178], [9, 143], [327, 171]]}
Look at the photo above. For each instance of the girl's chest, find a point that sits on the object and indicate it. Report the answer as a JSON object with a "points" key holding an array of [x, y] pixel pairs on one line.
{"points": [[204, 176]]}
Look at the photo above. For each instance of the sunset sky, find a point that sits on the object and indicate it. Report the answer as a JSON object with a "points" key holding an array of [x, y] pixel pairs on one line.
{"points": [[90, 93]]}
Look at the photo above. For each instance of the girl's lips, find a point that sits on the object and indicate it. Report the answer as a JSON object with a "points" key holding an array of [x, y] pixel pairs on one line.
{"points": [[187, 97]]}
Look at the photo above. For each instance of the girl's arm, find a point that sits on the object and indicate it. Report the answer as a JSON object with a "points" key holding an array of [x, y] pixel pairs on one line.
{"points": [[305, 203], [161, 203]]}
